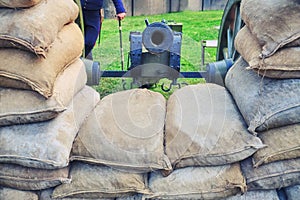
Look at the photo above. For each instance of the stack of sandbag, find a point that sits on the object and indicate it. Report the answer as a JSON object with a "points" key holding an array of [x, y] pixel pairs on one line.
{"points": [[272, 48], [269, 107], [44, 99], [47, 25], [135, 145], [265, 85], [205, 138], [119, 143]]}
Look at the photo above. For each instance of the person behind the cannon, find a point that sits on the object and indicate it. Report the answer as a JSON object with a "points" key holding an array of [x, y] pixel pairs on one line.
{"points": [[92, 20]]}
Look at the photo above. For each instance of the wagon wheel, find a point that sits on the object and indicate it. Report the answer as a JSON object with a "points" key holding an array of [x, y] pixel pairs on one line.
{"points": [[230, 25]]}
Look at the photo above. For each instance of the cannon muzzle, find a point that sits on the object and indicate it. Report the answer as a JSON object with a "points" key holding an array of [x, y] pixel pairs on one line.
{"points": [[157, 37]]}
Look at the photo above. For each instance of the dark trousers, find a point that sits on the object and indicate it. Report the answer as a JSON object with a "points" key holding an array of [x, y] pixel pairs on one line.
{"points": [[91, 29]]}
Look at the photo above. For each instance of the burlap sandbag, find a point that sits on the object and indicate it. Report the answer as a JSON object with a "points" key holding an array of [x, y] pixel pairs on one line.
{"points": [[95, 182], [275, 23], [292, 192], [10, 194], [47, 195], [36, 28], [204, 127], [134, 197], [18, 3], [34, 107], [271, 176], [282, 143], [125, 131], [256, 195], [24, 178], [285, 63], [20, 69], [265, 103], [47, 144], [198, 183]]}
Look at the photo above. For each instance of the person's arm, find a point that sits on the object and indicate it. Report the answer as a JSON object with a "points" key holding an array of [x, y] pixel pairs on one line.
{"points": [[121, 12]]}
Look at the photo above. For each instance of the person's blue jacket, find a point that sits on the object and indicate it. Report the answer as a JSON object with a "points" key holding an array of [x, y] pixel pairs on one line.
{"points": [[97, 5]]}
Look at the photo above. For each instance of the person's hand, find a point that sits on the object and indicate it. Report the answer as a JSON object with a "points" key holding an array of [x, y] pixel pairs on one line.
{"points": [[101, 15], [121, 16]]}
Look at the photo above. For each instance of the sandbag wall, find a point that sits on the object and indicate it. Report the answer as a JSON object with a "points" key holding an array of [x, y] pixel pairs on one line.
{"points": [[65, 143], [188, 147], [43, 94], [265, 85], [136, 145]]}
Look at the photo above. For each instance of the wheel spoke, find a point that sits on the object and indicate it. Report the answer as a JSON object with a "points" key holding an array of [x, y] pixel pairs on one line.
{"points": [[238, 20], [229, 43], [237, 28]]}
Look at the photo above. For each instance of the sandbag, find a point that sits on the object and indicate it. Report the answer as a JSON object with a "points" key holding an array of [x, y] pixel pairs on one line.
{"points": [[25, 106], [275, 23], [20, 69], [204, 128], [285, 63], [198, 183], [135, 197], [35, 29], [9, 194], [48, 144], [271, 176], [265, 103], [47, 195], [18, 3], [125, 131], [282, 143], [95, 182], [292, 192], [24, 178], [256, 195]]}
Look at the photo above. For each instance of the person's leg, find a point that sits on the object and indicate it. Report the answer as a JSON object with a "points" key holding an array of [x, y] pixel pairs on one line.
{"points": [[91, 29]]}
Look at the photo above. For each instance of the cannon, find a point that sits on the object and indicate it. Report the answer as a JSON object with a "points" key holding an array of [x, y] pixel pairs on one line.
{"points": [[155, 54], [161, 57]]}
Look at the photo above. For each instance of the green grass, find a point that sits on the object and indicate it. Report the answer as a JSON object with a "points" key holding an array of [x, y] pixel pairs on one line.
{"points": [[197, 26]]}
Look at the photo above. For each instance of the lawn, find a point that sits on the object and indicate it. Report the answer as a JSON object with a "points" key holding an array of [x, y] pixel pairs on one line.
{"points": [[197, 26]]}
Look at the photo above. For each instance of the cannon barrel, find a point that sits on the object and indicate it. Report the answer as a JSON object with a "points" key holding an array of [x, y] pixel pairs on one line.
{"points": [[157, 37]]}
